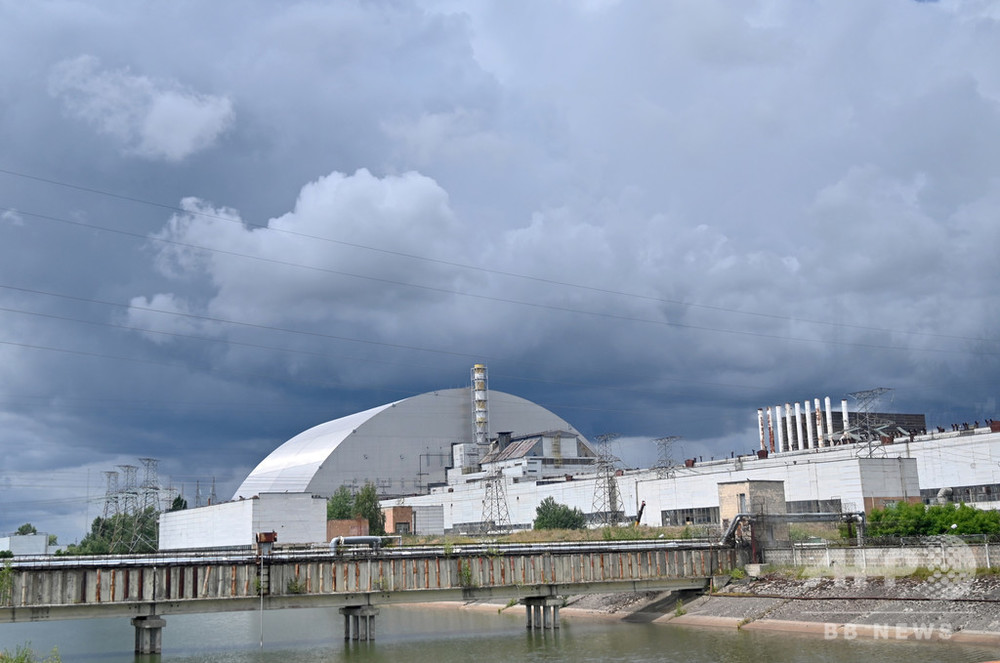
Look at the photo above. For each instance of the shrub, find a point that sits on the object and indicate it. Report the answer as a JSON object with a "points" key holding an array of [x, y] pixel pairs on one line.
{"points": [[905, 519], [24, 654], [295, 586], [552, 515]]}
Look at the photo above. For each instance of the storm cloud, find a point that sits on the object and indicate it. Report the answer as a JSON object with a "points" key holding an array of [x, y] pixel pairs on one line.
{"points": [[222, 224]]}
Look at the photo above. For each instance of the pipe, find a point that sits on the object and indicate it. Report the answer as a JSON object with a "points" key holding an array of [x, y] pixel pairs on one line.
{"points": [[829, 421], [770, 428], [798, 427], [843, 409], [788, 426], [778, 427], [374, 542], [760, 427], [811, 441], [819, 423]]}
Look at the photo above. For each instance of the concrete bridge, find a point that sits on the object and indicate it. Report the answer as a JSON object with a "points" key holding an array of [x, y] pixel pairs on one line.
{"points": [[146, 588]]}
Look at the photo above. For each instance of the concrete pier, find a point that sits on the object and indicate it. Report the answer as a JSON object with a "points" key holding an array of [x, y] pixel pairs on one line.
{"points": [[359, 622], [148, 634], [542, 612]]}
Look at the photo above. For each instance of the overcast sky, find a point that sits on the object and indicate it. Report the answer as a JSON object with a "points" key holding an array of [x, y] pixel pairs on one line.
{"points": [[223, 223]]}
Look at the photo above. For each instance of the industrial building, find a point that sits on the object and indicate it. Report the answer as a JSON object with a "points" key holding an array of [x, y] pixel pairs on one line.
{"points": [[405, 447], [955, 466], [434, 453], [296, 518], [27, 544]]}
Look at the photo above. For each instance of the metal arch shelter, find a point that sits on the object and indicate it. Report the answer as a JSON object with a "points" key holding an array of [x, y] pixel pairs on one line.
{"points": [[402, 446]]}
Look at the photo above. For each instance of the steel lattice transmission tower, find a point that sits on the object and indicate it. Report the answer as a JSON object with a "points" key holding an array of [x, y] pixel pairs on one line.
{"points": [[869, 426], [111, 505], [128, 490], [167, 495], [607, 507], [664, 455], [150, 489], [496, 515]]}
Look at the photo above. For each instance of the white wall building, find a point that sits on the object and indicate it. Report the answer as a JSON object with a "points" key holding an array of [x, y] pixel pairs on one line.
{"points": [[298, 518], [963, 466], [26, 544], [691, 495]]}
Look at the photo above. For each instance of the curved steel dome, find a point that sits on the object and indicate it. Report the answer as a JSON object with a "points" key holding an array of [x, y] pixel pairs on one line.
{"points": [[402, 447]]}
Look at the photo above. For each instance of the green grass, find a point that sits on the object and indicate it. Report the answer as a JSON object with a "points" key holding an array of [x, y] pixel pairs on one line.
{"points": [[24, 654]]}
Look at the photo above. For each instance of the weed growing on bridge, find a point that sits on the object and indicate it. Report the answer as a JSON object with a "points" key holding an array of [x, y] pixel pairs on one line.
{"points": [[295, 586], [465, 574], [679, 608], [6, 583]]}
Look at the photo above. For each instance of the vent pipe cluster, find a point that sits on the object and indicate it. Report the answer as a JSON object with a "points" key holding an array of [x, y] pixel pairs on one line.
{"points": [[796, 428]]}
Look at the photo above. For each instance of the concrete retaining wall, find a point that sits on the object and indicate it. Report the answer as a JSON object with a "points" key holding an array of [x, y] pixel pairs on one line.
{"points": [[904, 559]]}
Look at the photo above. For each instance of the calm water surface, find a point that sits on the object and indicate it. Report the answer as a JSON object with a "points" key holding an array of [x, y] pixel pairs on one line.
{"points": [[416, 635]]}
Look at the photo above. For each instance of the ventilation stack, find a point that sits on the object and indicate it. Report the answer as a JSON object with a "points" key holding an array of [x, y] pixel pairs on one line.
{"points": [[480, 409]]}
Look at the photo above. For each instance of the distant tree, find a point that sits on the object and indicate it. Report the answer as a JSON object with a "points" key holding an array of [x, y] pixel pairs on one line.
{"points": [[552, 515], [340, 505], [53, 540], [27, 528], [366, 506], [179, 504]]}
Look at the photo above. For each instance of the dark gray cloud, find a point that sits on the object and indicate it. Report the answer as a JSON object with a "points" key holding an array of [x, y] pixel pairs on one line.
{"points": [[223, 224]]}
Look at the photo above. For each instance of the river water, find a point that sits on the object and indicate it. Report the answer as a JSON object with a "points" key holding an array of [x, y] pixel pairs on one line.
{"points": [[439, 635]]}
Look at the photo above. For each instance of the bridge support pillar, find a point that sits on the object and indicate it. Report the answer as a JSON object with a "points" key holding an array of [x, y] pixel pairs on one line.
{"points": [[148, 634], [359, 622], [542, 612]]}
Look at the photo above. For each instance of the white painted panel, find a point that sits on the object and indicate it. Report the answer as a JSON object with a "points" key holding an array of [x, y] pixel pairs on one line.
{"points": [[296, 517], [215, 526]]}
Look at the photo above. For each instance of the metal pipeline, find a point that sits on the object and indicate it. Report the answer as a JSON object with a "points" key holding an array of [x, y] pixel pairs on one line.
{"points": [[374, 542]]}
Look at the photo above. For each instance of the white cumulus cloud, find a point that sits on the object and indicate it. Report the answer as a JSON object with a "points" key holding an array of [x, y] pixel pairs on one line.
{"points": [[149, 118]]}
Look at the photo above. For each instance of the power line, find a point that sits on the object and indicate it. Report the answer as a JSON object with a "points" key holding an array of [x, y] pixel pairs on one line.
{"points": [[504, 300], [317, 354], [477, 268]]}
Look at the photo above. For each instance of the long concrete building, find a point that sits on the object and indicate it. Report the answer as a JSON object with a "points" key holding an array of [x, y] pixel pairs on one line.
{"points": [[953, 466]]}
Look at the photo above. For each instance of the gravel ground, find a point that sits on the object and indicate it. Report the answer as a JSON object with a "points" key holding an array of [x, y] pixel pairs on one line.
{"points": [[972, 605]]}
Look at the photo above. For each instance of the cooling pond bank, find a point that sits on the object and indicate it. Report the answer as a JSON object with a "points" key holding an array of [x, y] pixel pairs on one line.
{"points": [[822, 607]]}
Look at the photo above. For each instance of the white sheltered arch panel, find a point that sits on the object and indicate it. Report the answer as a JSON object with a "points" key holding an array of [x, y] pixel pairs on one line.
{"points": [[403, 446]]}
